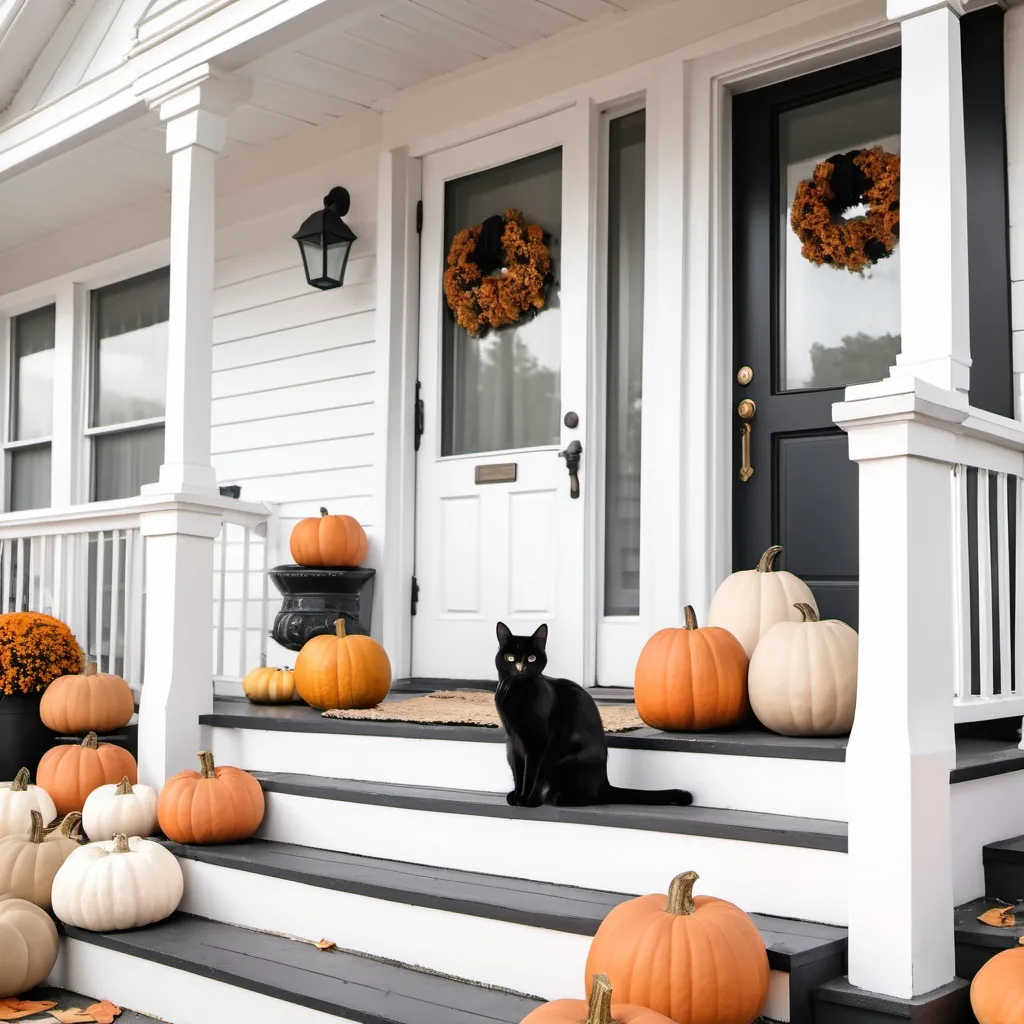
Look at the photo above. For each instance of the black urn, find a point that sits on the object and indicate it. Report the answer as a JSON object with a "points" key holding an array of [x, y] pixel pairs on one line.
{"points": [[315, 598]]}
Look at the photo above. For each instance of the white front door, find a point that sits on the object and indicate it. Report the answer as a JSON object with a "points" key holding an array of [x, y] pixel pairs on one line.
{"points": [[497, 408]]}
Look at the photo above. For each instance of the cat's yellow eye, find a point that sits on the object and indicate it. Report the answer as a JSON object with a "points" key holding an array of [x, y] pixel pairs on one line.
{"points": [[532, 657], [510, 657]]}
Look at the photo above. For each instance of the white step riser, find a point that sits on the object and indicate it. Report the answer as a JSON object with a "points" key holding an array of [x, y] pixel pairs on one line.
{"points": [[537, 961], [169, 994], [774, 785], [752, 875]]}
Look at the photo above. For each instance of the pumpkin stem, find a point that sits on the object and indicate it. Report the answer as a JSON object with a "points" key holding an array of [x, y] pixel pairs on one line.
{"points": [[339, 628], [207, 768], [90, 668], [680, 894], [91, 741], [36, 833], [599, 1006], [767, 561], [124, 788], [809, 614], [21, 781], [121, 844], [690, 616], [70, 823], [323, 511]]}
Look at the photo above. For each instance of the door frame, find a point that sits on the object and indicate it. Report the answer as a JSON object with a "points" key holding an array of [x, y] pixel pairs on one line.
{"points": [[686, 542]]}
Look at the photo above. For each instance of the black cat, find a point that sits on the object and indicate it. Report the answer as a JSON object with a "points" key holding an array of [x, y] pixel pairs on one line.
{"points": [[556, 744]]}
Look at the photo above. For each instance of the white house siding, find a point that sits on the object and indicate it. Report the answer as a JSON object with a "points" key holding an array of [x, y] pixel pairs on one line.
{"points": [[293, 384], [1014, 42]]}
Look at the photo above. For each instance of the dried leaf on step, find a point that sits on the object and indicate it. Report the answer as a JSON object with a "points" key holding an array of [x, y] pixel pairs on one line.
{"points": [[104, 1011], [72, 1015], [13, 1008], [325, 945], [998, 917]]}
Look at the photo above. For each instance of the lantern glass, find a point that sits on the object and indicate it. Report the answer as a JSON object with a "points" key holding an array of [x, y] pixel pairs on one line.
{"points": [[325, 241]]}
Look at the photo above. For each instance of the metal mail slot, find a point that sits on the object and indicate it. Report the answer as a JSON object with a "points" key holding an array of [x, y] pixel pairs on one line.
{"points": [[496, 473]]}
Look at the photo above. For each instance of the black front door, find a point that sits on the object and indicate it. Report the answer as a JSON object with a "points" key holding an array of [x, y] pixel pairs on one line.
{"points": [[802, 332]]}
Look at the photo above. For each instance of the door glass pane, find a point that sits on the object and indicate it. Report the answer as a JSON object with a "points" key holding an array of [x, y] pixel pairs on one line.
{"points": [[131, 349], [836, 328], [124, 461], [626, 165], [32, 391], [30, 478], [502, 390]]}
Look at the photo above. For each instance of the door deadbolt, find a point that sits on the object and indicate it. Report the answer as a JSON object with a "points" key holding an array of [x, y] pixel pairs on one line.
{"points": [[744, 375], [746, 409]]}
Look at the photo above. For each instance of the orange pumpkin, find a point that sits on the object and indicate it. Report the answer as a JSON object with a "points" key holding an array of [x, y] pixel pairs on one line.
{"points": [[70, 772], [269, 685], [597, 1010], [997, 992], [691, 678], [92, 702], [342, 671], [698, 960], [213, 805], [329, 540]]}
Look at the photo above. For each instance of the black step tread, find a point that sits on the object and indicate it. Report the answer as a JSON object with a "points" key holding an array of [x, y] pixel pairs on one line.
{"points": [[564, 908], [67, 1000], [969, 929], [949, 1004], [238, 713], [342, 984], [748, 826]]}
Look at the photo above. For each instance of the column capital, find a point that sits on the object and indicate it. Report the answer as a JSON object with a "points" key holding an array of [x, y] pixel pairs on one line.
{"points": [[898, 10]]}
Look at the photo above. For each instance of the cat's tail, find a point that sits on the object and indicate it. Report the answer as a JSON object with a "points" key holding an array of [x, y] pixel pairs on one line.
{"points": [[648, 797]]}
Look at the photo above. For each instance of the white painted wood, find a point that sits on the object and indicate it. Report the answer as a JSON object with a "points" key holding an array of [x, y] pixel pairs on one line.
{"points": [[1003, 570], [467, 558], [961, 584], [933, 209], [170, 994], [985, 621], [597, 857]]}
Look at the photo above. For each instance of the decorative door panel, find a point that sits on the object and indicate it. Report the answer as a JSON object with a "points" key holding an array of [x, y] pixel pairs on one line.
{"points": [[498, 534]]}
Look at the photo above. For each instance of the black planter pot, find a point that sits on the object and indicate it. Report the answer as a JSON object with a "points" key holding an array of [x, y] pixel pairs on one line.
{"points": [[314, 599], [23, 737]]}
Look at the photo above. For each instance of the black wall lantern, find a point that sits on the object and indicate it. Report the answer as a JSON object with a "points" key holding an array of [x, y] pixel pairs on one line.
{"points": [[325, 240]]}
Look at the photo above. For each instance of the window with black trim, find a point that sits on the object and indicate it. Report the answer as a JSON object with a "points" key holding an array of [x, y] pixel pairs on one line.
{"points": [[30, 410], [128, 376]]}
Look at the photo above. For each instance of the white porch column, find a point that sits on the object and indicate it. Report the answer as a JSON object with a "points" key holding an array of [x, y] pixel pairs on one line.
{"points": [[901, 749], [933, 196]]}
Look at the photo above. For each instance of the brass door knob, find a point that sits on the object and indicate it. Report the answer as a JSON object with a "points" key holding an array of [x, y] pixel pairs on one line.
{"points": [[746, 409], [744, 375]]}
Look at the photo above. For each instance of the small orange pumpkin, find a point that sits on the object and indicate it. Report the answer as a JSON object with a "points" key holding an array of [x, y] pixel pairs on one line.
{"points": [[691, 679], [269, 685], [213, 805], [342, 671], [91, 702], [70, 772], [597, 1010], [997, 992], [698, 960], [329, 540]]}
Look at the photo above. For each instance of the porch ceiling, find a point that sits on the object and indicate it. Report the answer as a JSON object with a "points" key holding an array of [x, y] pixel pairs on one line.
{"points": [[338, 74]]}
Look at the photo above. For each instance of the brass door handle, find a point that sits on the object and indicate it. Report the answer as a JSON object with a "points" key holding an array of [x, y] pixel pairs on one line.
{"points": [[745, 410]]}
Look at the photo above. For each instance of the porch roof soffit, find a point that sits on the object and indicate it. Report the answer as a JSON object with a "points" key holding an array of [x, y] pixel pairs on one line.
{"points": [[172, 38], [25, 28]]}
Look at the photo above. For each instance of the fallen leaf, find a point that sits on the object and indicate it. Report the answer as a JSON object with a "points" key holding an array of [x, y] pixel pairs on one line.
{"points": [[325, 944], [104, 1011], [72, 1015], [998, 917], [12, 1008]]}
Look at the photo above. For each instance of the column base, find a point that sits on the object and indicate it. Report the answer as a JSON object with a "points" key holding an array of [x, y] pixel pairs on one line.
{"points": [[839, 1002], [946, 373]]}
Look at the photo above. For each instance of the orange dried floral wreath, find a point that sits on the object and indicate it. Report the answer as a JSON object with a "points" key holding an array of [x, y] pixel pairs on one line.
{"points": [[870, 176], [497, 273], [34, 650]]}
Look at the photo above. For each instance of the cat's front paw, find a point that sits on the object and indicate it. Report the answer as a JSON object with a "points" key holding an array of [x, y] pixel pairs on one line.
{"points": [[512, 799], [529, 801]]}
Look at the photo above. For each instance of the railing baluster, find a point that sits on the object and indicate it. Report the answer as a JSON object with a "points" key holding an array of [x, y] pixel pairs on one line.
{"points": [[58, 576], [19, 593], [115, 587], [220, 603], [985, 626], [961, 585], [45, 585], [243, 621], [1003, 584], [264, 601], [101, 544]]}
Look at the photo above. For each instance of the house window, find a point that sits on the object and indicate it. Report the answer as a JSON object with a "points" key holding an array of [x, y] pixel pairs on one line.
{"points": [[31, 410], [129, 382]]}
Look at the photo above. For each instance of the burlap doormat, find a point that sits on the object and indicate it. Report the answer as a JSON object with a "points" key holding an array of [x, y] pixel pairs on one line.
{"points": [[471, 707]]}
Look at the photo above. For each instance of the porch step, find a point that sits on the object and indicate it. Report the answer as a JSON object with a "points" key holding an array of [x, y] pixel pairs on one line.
{"points": [[977, 943], [452, 921], [1004, 870], [189, 970], [839, 1002], [746, 770], [627, 849]]}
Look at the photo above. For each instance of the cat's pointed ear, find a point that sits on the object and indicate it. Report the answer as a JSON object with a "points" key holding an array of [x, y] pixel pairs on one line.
{"points": [[504, 634], [540, 636]]}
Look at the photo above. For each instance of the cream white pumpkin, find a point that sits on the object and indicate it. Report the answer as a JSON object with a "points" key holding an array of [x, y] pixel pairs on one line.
{"points": [[18, 799], [124, 883], [802, 679], [122, 808], [28, 863], [750, 602], [29, 942]]}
